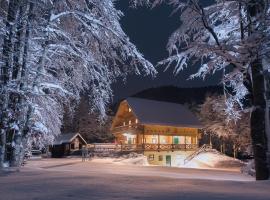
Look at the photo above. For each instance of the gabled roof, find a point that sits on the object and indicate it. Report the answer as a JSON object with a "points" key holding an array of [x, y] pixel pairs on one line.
{"points": [[162, 113], [66, 138]]}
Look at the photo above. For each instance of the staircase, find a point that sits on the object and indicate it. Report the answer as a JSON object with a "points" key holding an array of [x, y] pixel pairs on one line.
{"points": [[200, 150]]}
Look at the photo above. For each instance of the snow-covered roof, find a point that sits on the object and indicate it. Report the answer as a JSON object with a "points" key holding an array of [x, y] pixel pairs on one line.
{"points": [[162, 113], [66, 138]]}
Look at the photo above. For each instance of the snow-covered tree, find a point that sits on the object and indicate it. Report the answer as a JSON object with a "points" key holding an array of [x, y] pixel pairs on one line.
{"points": [[215, 121], [51, 52], [88, 123], [231, 36]]}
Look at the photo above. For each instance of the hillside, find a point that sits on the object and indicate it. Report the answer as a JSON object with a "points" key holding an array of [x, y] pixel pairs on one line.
{"points": [[179, 95]]}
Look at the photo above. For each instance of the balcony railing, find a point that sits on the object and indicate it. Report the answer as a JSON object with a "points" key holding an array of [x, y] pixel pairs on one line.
{"points": [[169, 147], [144, 147], [156, 147]]}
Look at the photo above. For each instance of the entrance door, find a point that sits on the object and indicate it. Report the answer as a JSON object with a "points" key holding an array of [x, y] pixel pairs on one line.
{"points": [[168, 160], [176, 140], [129, 140]]}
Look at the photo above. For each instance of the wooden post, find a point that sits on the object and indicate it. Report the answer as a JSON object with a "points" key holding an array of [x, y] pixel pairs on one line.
{"points": [[172, 145], [143, 141], [158, 142], [137, 140], [185, 143]]}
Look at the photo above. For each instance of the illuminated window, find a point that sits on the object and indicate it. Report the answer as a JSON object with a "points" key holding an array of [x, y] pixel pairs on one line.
{"points": [[129, 109], [154, 139], [188, 140], [151, 157], [163, 141], [124, 123], [129, 122], [182, 139], [136, 121], [160, 158]]}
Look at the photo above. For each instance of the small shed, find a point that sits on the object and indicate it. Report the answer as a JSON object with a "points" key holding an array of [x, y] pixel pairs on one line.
{"points": [[67, 144]]}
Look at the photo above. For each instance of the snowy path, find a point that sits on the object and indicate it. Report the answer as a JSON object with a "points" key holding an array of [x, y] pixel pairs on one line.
{"points": [[72, 179]]}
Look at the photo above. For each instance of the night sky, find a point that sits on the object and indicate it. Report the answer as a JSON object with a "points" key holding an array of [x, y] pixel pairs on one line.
{"points": [[149, 30]]}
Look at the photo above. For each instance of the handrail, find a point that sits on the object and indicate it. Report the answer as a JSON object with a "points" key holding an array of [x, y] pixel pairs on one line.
{"points": [[200, 150]]}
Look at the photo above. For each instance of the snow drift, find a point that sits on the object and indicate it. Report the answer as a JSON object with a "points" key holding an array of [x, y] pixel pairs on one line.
{"points": [[213, 159]]}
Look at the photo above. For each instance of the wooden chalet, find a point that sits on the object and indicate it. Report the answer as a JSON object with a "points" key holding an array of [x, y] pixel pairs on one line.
{"points": [[67, 144], [166, 133]]}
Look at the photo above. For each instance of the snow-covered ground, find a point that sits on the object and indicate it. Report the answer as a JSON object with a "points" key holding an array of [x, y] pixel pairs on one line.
{"points": [[67, 179]]}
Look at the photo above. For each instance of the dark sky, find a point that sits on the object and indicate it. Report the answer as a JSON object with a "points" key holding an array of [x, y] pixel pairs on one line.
{"points": [[149, 30]]}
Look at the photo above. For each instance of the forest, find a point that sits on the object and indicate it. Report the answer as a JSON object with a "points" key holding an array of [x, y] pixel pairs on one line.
{"points": [[54, 50]]}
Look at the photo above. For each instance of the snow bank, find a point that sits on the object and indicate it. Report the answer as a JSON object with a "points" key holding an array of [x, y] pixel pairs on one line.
{"points": [[129, 159], [213, 159]]}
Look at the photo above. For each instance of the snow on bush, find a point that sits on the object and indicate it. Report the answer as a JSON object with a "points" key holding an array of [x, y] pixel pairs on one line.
{"points": [[249, 168], [5, 164]]}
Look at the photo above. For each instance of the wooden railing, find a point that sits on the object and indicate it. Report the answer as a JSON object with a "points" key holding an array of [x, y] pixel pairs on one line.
{"points": [[128, 147], [143, 147], [158, 147], [169, 147]]}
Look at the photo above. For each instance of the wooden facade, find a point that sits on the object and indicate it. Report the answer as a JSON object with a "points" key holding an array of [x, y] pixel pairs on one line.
{"points": [[135, 135]]}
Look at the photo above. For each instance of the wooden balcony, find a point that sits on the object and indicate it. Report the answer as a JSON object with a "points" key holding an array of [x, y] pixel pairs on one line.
{"points": [[158, 147], [143, 147]]}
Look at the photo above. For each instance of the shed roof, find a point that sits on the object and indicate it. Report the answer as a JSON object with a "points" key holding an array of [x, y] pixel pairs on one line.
{"points": [[162, 113], [66, 138]]}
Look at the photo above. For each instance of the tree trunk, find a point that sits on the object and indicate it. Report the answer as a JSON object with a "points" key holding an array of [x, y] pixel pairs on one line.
{"points": [[6, 71], [18, 73], [267, 116], [258, 132], [2, 148], [234, 151]]}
